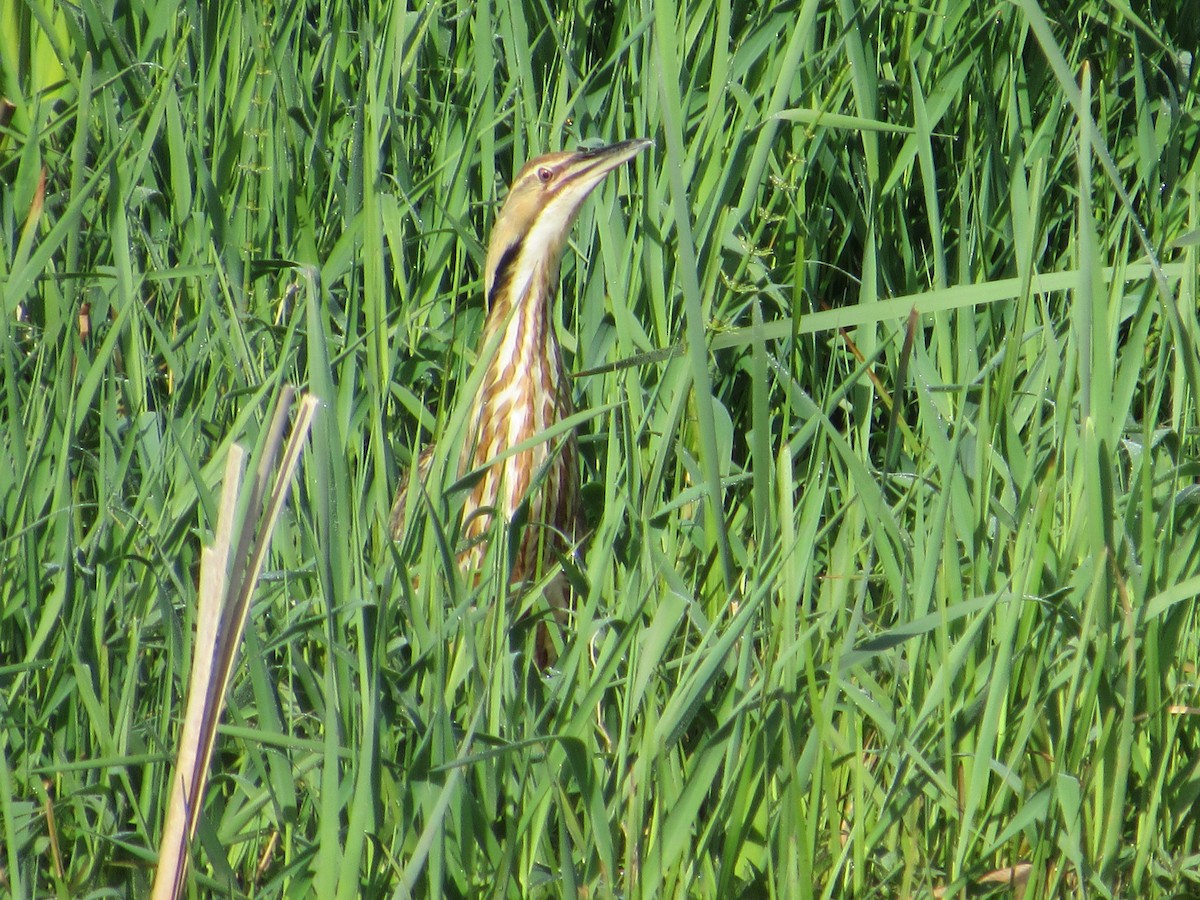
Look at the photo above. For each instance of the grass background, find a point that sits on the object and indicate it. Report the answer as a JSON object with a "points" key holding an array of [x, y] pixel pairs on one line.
{"points": [[875, 605]]}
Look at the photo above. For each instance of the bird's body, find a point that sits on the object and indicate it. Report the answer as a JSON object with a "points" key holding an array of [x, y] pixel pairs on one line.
{"points": [[524, 392], [525, 389]]}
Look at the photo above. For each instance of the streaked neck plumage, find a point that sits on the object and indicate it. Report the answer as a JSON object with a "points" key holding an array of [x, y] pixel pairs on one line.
{"points": [[524, 390]]}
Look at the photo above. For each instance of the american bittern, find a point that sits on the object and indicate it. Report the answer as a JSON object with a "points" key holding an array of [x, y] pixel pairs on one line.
{"points": [[525, 389]]}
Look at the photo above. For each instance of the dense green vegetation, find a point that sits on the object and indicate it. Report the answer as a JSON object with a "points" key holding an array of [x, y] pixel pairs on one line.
{"points": [[874, 605]]}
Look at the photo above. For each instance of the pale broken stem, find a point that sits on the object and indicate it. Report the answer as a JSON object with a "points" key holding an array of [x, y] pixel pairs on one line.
{"points": [[196, 737], [225, 595]]}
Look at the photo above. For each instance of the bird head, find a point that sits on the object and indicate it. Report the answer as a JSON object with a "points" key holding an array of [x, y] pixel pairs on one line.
{"points": [[541, 206]]}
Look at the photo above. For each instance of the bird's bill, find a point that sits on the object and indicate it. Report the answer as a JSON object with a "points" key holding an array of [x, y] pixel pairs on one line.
{"points": [[592, 165]]}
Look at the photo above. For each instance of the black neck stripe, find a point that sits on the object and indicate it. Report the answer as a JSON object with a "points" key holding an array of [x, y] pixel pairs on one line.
{"points": [[504, 271]]}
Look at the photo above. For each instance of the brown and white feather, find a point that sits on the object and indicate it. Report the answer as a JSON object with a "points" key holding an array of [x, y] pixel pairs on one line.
{"points": [[525, 390]]}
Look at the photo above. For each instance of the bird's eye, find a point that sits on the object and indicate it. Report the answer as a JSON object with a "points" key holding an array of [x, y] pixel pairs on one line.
{"points": [[544, 175]]}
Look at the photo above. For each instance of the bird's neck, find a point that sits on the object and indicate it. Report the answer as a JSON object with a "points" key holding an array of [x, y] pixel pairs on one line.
{"points": [[523, 390], [521, 320]]}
